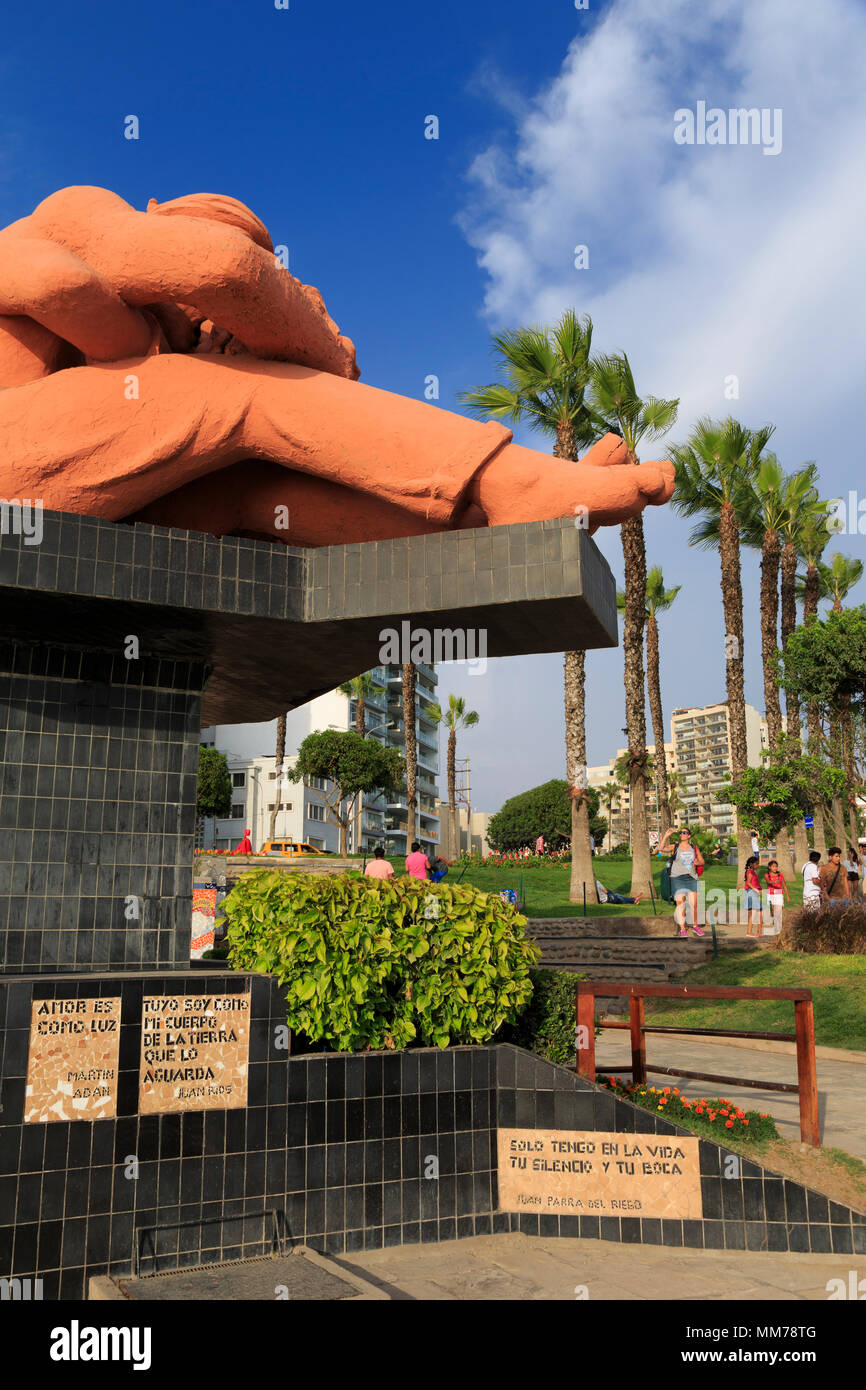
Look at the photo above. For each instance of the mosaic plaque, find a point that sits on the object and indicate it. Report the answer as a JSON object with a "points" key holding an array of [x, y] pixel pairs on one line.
{"points": [[194, 1052], [590, 1173], [72, 1066]]}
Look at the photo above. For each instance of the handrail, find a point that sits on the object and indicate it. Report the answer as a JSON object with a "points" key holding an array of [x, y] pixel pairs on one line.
{"points": [[804, 1019]]}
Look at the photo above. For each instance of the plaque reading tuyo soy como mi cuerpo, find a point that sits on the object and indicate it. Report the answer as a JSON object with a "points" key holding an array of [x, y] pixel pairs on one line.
{"points": [[589, 1173], [72, 1066], [194, 1052]]}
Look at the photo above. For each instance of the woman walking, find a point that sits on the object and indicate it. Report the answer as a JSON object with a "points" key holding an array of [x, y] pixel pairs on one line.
{"points": [[777, 894], [684, 864], [752, 886]]}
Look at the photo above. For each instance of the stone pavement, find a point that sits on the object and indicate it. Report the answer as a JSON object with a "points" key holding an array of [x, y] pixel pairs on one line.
{"points": [[518, 1267], [841, 1085]]}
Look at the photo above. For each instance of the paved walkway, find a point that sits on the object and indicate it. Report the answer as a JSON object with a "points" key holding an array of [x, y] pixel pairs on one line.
{"points": [[519, 1267], [841, 1085]]}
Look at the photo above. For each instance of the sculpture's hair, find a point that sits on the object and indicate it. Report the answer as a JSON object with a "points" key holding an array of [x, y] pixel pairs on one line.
{"points": [[216, 207]]}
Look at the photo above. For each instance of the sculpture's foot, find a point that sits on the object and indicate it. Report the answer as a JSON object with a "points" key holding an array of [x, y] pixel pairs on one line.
{"points": [[602, 489]]}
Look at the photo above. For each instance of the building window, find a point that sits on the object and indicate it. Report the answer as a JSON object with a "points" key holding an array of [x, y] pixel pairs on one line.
{"points": [[315, 813], [239, 779], [319, 783], [238, 811], [283, 806]]}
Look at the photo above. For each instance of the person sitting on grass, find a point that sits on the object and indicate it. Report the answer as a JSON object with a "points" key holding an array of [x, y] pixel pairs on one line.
{"points": [[605, 895]]}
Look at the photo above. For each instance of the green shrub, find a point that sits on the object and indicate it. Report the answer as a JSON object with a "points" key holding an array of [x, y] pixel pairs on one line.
{"points": [[618, 852], [371, 963], [827, 931], [547, 1024]]}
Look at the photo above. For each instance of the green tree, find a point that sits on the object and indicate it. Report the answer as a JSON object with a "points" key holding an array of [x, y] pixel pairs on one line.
{"points": [[544, 376], [543, 810], [214, 795], [351, 765], [783, 789], [714, 469], [454, 718], [615, 400]]}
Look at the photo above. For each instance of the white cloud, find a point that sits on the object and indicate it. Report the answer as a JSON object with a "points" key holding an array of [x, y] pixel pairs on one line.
{"points": [[705, 262]]}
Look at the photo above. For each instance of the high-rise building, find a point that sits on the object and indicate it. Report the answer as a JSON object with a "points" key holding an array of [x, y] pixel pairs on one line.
{"points": [[702, 750], [301, 814], [619, 815]]}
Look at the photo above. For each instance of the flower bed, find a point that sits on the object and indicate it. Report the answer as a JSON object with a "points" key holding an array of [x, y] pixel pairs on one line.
{"points": [[718, 1118]]}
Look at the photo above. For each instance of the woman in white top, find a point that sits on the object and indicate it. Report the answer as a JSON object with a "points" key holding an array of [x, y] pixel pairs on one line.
{"points": [[852, 868]]}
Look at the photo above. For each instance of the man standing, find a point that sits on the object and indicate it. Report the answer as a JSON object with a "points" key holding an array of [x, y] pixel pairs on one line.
{"points": [[378, 866], [835, 888]]}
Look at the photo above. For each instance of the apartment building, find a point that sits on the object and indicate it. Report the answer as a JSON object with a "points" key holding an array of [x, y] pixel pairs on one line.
{"points": [[301, 814], [619, 831], [702, 752]]}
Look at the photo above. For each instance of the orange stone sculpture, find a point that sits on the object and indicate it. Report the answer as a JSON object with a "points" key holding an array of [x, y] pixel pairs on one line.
{"points": [[164, 366]]}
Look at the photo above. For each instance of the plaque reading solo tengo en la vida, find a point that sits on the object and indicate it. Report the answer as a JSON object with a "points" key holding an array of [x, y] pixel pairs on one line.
{"points": [[194, 1052], [591, 1173], [74, 1054]]}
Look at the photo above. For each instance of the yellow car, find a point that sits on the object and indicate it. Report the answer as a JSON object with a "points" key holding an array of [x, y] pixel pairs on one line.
{"points": [[289, 848]]}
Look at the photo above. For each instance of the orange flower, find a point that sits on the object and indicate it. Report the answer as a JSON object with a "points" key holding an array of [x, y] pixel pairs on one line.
{"points": [[667, 1090], [745, 1121], [729, 1124], [676, 1090]]}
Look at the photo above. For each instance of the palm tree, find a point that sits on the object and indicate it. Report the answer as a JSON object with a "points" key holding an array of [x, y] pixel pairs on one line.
{"points": [[658, 600], [545, 373], [621, 770], [454, 718], [811, 542], [614, 400], [836, 579], [411, 749], [802, 506], [278, 771], [608, 794], [675, 801], [712, 470], [762, 525], [359, 689]]}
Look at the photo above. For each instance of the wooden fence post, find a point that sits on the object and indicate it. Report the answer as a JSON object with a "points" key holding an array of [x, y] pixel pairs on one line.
{"points": [[638, 1040], [807, 1081], [585, 1033]]}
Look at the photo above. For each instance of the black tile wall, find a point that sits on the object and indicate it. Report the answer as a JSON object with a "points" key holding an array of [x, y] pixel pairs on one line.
{"points": [[340, 1152], [98, 764]]}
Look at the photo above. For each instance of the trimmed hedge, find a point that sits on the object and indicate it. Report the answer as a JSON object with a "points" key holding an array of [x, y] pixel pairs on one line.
{"points": [[383, 963], [827, 931]]}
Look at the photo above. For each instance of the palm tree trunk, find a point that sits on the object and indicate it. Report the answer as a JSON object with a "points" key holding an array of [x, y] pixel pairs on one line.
{"points": [[792, 704], [769, 646], [732, 603], [411, 749], [452, 794], [655, 702], [360, 717], [634, 558], [813, 719], [582, 871], [278, 768]]}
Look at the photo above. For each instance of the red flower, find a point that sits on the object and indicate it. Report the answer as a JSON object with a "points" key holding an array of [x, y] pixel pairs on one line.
{"points": [[729, 1124]]}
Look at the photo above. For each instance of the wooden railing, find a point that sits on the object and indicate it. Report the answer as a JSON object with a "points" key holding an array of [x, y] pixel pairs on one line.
{"points": [[804, 1037]]}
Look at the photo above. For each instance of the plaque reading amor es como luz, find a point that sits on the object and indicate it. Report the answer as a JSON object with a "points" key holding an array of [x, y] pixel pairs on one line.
{"points": [[589, 1173], [194, 1052], [73, 1060]]}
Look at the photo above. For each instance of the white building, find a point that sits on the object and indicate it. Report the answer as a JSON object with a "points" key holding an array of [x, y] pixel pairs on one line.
{"points": [[302, 815]]}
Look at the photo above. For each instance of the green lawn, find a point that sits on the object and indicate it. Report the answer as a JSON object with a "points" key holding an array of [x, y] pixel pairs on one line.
{"points": [[838, 985], [546, 889]]}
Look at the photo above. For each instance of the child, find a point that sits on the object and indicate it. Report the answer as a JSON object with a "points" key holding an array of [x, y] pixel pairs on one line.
{"points": [[777, 893], [753, 896]]}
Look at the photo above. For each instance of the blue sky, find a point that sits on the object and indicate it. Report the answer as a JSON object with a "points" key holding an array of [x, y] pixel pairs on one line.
{"points": [[555, 129]]}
